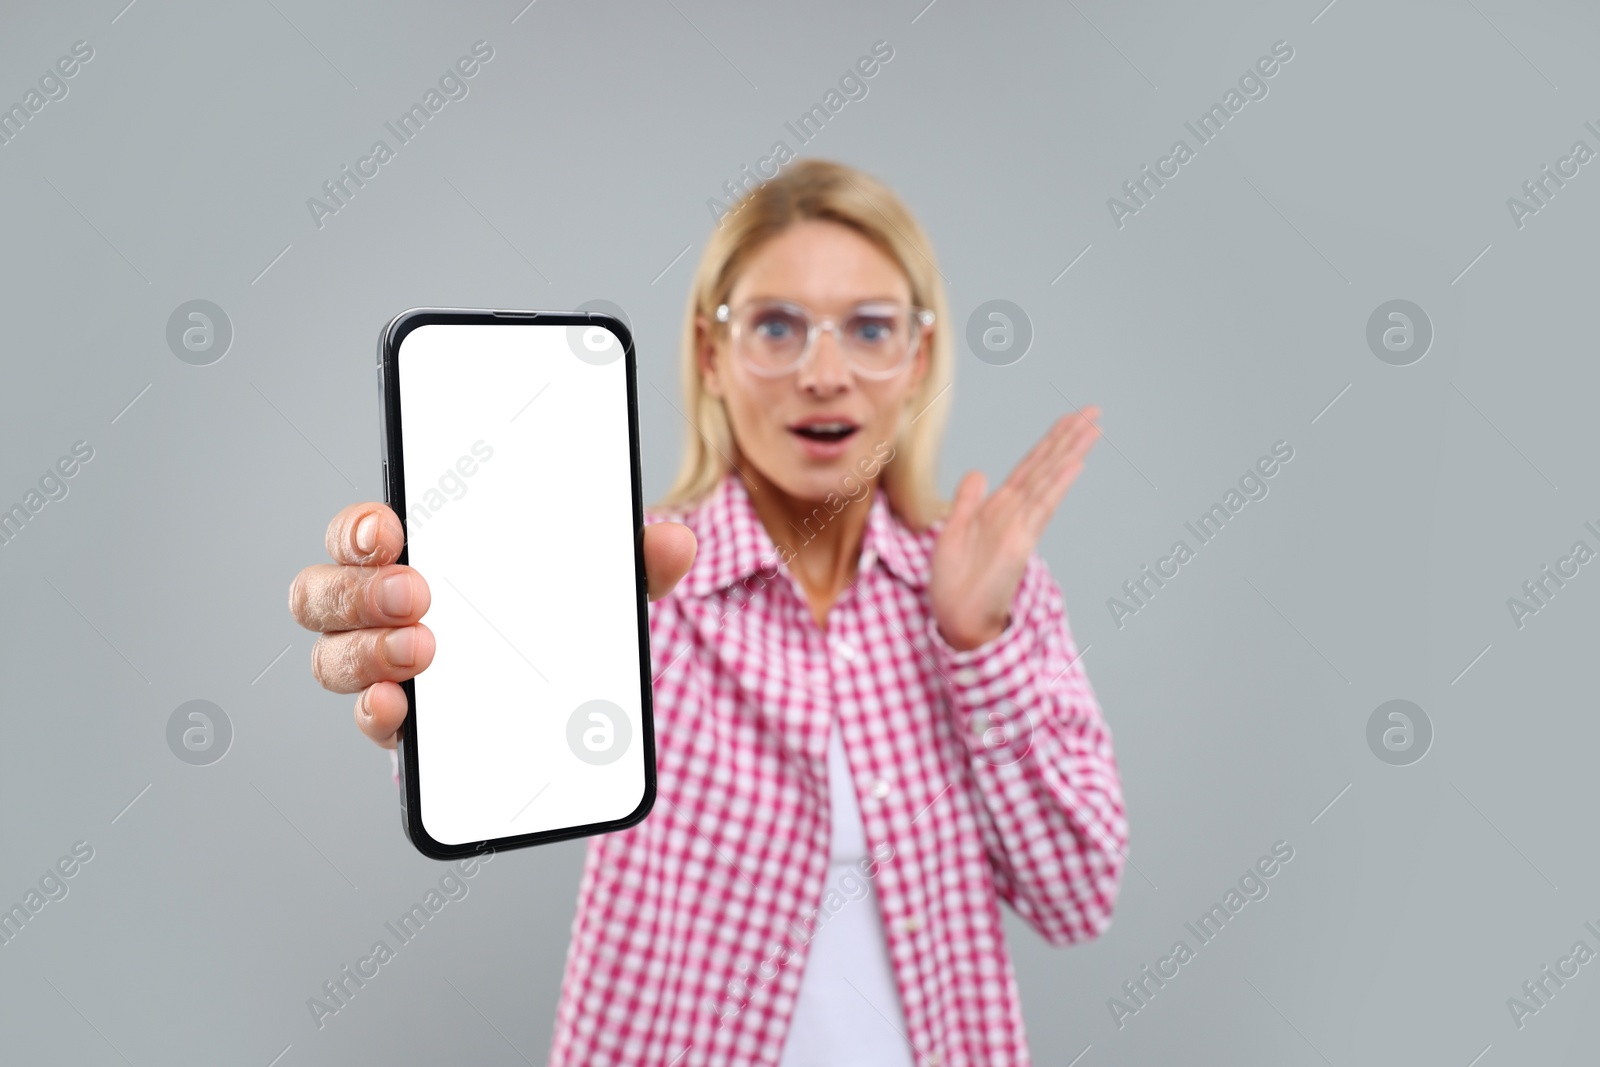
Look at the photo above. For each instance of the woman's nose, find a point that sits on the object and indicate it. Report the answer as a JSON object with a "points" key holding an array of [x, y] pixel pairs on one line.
{"points": [[826, 371]]}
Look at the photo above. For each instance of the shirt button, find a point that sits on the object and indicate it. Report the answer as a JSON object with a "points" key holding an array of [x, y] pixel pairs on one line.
{"points": [[966, 676], [846, 650], [912, 925], [880, 788]]}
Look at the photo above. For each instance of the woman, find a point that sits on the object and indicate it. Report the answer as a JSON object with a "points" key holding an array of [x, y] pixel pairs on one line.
{"points": [[871, 723]]}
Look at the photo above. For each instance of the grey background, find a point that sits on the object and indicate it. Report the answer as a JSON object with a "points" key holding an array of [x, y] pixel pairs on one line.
{"points": [[1224, 317]]}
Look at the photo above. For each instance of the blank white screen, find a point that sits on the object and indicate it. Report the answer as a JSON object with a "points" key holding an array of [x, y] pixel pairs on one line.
{"points": [[520, 517]]}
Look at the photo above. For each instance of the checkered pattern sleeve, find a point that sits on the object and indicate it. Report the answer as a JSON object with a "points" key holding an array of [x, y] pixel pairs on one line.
{"points": [[1046, 782]]}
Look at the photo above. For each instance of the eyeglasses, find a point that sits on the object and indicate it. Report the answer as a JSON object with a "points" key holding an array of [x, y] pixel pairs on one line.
{"points": [[777, 337]]}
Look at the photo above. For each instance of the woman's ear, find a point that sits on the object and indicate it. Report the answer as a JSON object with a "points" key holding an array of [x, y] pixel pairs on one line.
{"points": [[924, 356], [705, 350]]}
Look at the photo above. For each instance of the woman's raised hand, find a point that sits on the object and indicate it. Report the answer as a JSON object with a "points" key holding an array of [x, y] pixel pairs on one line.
{"points": [[984, 545], [367, 609]]}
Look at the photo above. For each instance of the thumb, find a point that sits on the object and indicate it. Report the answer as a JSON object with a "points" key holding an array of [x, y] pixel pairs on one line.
{"points": [[969, 494], [669, 551]]}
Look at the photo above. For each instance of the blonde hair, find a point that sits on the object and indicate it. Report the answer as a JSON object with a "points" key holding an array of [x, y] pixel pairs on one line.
{"points": [[832, 192]]}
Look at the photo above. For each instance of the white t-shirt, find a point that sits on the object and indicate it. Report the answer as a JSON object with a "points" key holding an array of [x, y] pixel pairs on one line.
{"points": [[834, 1024]]}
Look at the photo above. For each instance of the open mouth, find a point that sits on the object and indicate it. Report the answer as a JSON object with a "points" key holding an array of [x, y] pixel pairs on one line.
{"points": [[825, 431]]}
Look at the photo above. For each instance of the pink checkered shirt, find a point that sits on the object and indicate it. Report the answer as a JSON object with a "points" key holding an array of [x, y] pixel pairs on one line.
{"points": [[983, 776]]}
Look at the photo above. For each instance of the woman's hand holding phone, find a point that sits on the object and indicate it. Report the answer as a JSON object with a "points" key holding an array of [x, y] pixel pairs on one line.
{"points": [[367, 609]]}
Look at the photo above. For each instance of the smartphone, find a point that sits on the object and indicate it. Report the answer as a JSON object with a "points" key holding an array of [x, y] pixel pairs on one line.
{"points": [[511, 456]]}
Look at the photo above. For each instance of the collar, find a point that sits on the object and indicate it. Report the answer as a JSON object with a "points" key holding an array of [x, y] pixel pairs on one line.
{"points": [[734, 544]]}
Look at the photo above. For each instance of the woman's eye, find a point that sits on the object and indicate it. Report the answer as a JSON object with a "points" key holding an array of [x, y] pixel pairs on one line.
{"points": [[872, 331], [773, 329]]}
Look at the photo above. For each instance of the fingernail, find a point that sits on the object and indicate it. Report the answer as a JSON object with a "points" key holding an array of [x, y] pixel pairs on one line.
{"points": [[400, 646], [394, 596], [367, 533]]}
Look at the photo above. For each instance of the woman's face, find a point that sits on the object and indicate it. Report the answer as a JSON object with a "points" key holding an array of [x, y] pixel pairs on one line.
{"points": [[828, 269]]}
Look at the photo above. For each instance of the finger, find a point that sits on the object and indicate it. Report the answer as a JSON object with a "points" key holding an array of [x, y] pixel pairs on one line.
{"points": [[327, 598], [1080, 445], [365, 534], [1038, 457], [1076, 433], [1050, 499], [1076, 437], [969, 496], [1043, 461], [1042, 504], [1029, 463], [669, 549], [1077, 427], [380, 710], [349, 662]]}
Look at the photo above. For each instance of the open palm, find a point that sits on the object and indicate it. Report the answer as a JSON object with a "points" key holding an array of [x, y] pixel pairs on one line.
{"points": [[985, 542]]}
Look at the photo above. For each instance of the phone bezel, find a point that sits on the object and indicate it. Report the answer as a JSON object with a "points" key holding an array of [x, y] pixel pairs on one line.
{"points": [[393, 451]]}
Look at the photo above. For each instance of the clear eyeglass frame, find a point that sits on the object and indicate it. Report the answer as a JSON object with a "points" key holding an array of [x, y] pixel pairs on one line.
{"points": [[921, 316]]}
